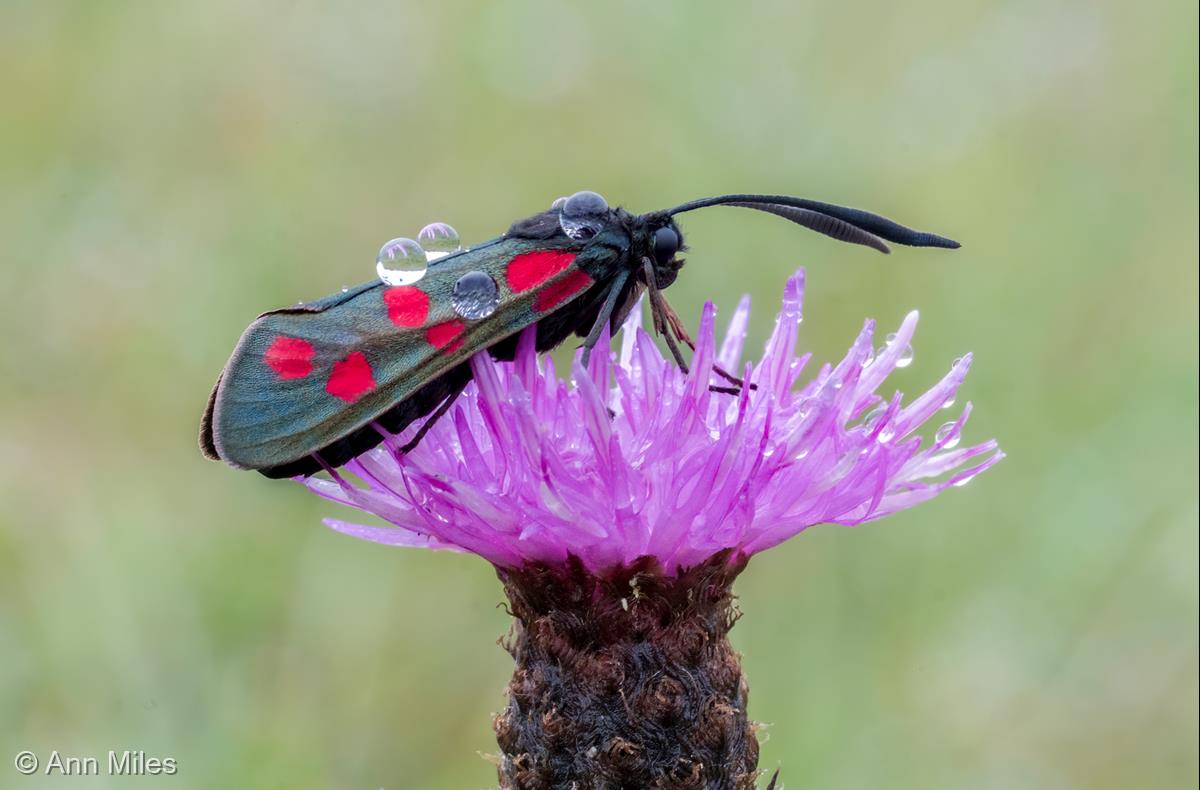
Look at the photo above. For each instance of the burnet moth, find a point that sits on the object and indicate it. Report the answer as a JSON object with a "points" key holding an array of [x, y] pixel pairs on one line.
{"points": [[310, 386]]}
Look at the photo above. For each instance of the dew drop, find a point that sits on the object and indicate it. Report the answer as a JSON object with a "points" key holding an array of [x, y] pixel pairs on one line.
{"points": [[558, 203], [868, 359], [946, 434], [401, 262], [583, 215], [439, 240], [886, 435], [874, 415], [475, 295], [906, 356], [949, 403], [964, 481]]}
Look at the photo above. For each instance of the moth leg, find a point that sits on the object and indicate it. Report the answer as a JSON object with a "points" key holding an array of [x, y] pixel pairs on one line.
{"points": [[668, 321], [606, 311], [662, 314], [331, 471], [442, 408], [683, 335], [732, 379]]}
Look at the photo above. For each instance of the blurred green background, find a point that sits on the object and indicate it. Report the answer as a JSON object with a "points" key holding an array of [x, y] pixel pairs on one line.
{"points": [[168, 170]]}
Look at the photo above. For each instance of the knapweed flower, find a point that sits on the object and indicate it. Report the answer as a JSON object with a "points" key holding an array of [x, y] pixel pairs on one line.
{"points": [[634, 457], [619, 504]]}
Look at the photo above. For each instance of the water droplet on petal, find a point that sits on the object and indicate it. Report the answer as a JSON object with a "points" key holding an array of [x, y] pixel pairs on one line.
{"points": [[949, 404], [401, 262], [583, 215], [946, 434], [475, 295], [906, 356], [874, 415], [868, 359], [439, 240], [964, 481], [886, 435]]}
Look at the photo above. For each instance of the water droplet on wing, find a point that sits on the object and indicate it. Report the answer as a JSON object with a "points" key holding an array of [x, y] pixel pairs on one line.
{"points": [[946, 434], [401, 262], [475, 295], [439, 240], [558, 203]]}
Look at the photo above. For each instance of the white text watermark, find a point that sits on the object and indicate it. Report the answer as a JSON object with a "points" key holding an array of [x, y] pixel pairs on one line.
{"points": [[127, 762]]}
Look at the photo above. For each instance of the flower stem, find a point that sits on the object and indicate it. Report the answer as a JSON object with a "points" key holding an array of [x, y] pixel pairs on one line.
{"points": [[625, 679]]}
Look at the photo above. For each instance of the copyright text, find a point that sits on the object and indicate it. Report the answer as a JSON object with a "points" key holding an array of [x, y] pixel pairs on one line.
{"points": [[127, 762]]}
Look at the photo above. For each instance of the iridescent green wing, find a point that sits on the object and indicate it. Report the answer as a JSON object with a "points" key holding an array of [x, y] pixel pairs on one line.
{"points": [[303, 377]]}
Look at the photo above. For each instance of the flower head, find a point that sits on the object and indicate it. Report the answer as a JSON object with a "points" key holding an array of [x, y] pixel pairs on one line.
{"points": [[633, 457]]}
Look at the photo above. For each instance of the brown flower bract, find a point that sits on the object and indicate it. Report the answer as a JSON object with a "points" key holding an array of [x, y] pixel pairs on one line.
{"points": [[625, 679]]}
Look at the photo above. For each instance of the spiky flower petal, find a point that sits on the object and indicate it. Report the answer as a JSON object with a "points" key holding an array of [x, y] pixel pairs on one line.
{"points": [[632, 457]]}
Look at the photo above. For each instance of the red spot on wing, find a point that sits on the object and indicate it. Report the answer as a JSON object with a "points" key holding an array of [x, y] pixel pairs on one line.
{"points": [[351, 378], [531, 269], [290, 357], [407, 306], [558, 292], [446, 336]]}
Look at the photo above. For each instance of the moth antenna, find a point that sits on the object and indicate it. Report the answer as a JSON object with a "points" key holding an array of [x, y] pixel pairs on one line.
{"points": [[824, 224], [873, 224]]}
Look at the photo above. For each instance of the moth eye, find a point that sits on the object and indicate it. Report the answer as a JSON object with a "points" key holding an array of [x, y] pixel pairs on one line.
{"points": [[666, 244], [583, 214]]}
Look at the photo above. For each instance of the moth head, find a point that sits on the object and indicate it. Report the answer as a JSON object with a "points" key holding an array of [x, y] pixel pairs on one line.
{"points": [[662, 245]]}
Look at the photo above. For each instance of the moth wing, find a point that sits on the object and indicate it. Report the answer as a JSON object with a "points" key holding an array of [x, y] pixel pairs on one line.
{"points": [[303, 377]]}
